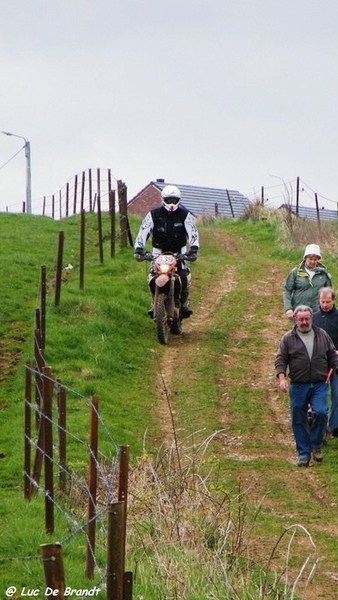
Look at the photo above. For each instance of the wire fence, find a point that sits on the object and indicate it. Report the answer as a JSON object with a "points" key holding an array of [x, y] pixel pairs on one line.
{"points": [[82, 192], [82, 478], [85, 485], [292, 192], [87, 500]]}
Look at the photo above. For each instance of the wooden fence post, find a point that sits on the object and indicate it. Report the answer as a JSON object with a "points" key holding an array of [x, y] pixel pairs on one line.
{"points": [[27, 446], [112, 222], [90, 184], [122, 196], [58, 275], [48, 448], [93, 443], [39, 363], [317, 209], [82, 247], [108, 181], [128, 585], [99, 228], [43, 306], [62, 437], [98, 182], [115, 558], [230, 203], [75, 195], [82, 190], [67, 199], [53, 568], [123, 489]]}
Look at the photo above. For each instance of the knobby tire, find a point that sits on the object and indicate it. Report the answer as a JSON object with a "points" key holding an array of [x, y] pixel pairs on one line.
{"points": [[162, 325]]}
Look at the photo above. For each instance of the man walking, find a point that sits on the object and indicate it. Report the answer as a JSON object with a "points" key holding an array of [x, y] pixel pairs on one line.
{"points": [[306, 353], [327, 319]]}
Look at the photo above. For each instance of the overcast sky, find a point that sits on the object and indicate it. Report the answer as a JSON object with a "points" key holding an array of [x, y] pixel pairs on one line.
{"points": [[234, 94]]}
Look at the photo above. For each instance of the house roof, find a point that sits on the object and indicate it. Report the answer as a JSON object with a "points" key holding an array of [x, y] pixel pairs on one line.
{"points": [[310, 213], [204, 200]]}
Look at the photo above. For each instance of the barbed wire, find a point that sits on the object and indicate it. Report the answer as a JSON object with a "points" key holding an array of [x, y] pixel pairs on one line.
{"points": [[288, 189], [79, 525]]}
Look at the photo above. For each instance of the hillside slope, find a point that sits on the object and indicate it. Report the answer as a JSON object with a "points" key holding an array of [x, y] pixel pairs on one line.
{"points": [[254, 441], [216, 380]]}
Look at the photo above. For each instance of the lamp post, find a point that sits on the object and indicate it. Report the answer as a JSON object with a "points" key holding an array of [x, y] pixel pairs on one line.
{"points": [[27, 148]]}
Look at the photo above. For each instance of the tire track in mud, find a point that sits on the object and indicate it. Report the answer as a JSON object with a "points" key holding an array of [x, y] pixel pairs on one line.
{"points": [[177, 351]]}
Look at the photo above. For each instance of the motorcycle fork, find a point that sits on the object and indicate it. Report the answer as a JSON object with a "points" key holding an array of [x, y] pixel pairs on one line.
{"points": [[169, 291]]}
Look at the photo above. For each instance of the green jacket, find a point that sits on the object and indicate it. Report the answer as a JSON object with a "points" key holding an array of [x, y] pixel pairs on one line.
{"points": [[300, 289]]}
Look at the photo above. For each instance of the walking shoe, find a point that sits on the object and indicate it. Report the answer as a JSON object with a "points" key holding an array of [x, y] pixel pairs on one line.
{"points": [[303, 462], [328, 436], [186, 311], [317, 454], [335, 432], [176, 328]]}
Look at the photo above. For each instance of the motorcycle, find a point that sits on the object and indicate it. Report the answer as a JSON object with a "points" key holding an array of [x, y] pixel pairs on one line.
{"points": [[166, 288]]}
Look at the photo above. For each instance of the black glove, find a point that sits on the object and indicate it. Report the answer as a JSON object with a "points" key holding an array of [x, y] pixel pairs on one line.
{"points": [[192, 254], [139, 254]]}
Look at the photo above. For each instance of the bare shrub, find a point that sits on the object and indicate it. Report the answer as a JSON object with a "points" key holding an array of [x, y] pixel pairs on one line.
{"points": [[191, 536], [297, 233], [256, 211]]}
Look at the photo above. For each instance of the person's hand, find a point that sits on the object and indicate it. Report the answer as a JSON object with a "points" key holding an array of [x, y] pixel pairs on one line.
{"points": [[283, 384], [193, 253], [289, 314], [139, 254]]}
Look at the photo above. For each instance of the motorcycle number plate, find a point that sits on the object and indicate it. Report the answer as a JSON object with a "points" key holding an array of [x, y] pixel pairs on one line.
{"points": [[165, 259]]}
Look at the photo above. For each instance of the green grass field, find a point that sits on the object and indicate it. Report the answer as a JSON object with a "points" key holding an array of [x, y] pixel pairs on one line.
{"points": [[208, 518]]}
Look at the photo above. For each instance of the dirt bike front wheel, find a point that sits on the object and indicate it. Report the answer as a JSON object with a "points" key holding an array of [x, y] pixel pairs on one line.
{"points": [[162, 325]]}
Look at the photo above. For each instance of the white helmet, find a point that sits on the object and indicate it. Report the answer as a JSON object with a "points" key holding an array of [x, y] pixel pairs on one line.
{"points": [[171, 197]]}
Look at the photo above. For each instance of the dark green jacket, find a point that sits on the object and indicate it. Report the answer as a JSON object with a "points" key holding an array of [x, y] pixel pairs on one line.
{"points": [[300, 289]]}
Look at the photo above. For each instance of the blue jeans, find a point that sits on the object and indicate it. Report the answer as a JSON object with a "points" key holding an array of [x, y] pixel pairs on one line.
{"points": [[333, 420], [302, 394]]}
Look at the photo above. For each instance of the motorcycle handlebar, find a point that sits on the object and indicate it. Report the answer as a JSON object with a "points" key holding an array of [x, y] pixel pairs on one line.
{"points": [[149, 256]]}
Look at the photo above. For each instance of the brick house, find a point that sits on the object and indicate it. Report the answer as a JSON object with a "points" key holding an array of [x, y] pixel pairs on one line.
{"points": [[199, 200]]}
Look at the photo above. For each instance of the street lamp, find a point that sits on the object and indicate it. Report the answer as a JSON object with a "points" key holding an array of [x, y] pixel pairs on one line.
{"points": [[27, 147]]}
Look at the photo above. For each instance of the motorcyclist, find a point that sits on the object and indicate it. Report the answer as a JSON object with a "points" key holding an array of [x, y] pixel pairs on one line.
{"points": [[171, 226]]}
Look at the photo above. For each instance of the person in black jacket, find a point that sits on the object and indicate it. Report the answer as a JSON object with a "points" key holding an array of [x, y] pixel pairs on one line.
{"points": [[172, 226], [306, 354], [327, 319]]}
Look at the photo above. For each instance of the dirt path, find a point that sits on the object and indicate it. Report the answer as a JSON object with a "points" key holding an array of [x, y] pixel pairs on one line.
{"points": [[305, 486]]}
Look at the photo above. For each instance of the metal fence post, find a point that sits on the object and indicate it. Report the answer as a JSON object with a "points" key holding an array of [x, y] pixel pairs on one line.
{"points": [[53, 569], [62, 437], [27, 447], [48, 448], [58, 274], [123, 489], [93, 443], [115, 557]]}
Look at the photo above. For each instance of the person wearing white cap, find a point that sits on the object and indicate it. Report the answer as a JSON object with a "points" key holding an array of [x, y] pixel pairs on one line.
{"points": [[303, 283]]}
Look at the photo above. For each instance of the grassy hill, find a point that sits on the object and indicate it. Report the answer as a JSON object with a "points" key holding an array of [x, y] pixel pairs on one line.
{"points": [[213, 480]]}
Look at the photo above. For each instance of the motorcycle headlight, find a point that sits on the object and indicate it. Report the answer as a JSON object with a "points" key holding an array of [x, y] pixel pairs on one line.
{"points": [[164, 268]]}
